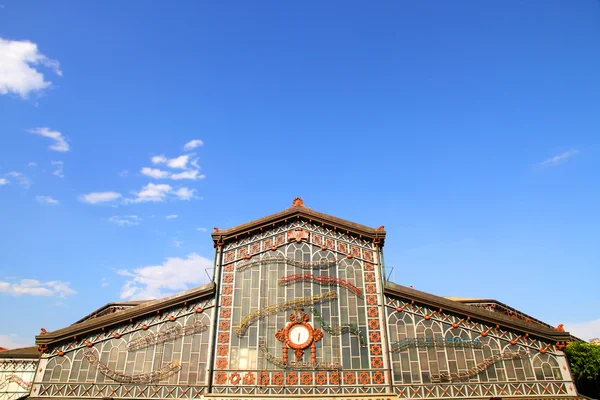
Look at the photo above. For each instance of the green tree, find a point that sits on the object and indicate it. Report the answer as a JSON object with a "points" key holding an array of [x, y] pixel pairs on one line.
{"points": [[584, 360]]}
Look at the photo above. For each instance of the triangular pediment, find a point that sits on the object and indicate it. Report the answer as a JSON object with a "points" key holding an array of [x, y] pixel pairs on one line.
{"points": [[298, 211]]}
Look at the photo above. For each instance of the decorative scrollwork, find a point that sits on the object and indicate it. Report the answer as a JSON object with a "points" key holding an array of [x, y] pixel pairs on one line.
{"points": [[321, 280], [298, 365], [322, 264], [479, 368], [171, 333], [154, 376], [432, 342], [16, 379], [340, 329], [286, 305]]}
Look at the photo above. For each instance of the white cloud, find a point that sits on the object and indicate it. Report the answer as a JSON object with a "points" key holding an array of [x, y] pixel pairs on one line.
{"points": [[34, 287], [155, 173], [46, 200], [158, 159], [551, 162], [174, 274], [177, 162], [187, 162], [104, 282], [60, 141], [177, 243], [160, 192], [184, 193], [59, 169], [99, 197], [584, 330], [189, 174], [192, 144], [202, 229], [3, 181], [172, 216], [152, 193], [21, 179], [125, 220], [124, 173], [17, 75], [162, 174], [31, 164], [12, 341]]}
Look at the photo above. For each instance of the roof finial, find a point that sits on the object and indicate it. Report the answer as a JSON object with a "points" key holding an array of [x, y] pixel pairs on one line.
{"points": [[298, 202]]}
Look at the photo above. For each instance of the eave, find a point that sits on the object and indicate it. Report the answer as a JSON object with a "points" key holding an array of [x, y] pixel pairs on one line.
{"points": [[489, 317], [31, 352], [141, 310]]}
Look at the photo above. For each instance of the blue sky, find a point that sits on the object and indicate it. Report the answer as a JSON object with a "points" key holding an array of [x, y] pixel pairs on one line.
{"points": [[471, 130]]}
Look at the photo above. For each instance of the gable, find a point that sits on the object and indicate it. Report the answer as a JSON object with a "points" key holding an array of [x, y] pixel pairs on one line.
{"points": [[296, 212]]}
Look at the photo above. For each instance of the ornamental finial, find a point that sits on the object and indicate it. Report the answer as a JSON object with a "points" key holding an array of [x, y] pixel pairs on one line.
{"points": [[298, 202]]}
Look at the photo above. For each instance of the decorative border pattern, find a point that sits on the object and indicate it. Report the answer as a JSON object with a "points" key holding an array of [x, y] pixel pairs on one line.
{"points": [[537, 390], [119, 390], [300, 383]]}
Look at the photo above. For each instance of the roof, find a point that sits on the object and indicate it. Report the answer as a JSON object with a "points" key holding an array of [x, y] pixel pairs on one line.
{"points": [[467, 299], [541, 331], [499, 307], [107, 306], [20, 353], [123, 315], [297, 210]]}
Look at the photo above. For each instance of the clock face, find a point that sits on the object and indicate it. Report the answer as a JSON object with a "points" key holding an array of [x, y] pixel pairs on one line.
{"points": [[299, 334]]}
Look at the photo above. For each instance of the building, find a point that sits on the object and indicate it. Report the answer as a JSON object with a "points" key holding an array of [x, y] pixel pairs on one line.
{"points": [[299, 307]]}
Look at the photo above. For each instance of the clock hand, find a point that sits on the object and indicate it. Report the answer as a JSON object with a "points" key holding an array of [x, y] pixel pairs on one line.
{"points": [[298, 337]]}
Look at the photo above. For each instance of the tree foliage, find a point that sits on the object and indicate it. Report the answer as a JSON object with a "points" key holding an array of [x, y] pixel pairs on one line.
{"points": [[584, 359]]}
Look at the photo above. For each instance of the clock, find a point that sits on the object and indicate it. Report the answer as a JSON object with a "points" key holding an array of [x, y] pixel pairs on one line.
{"points": [[299, 335]]}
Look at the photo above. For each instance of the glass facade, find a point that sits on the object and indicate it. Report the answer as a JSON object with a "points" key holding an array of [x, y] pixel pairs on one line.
{"points": [[301, 308], [269, 277]]}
